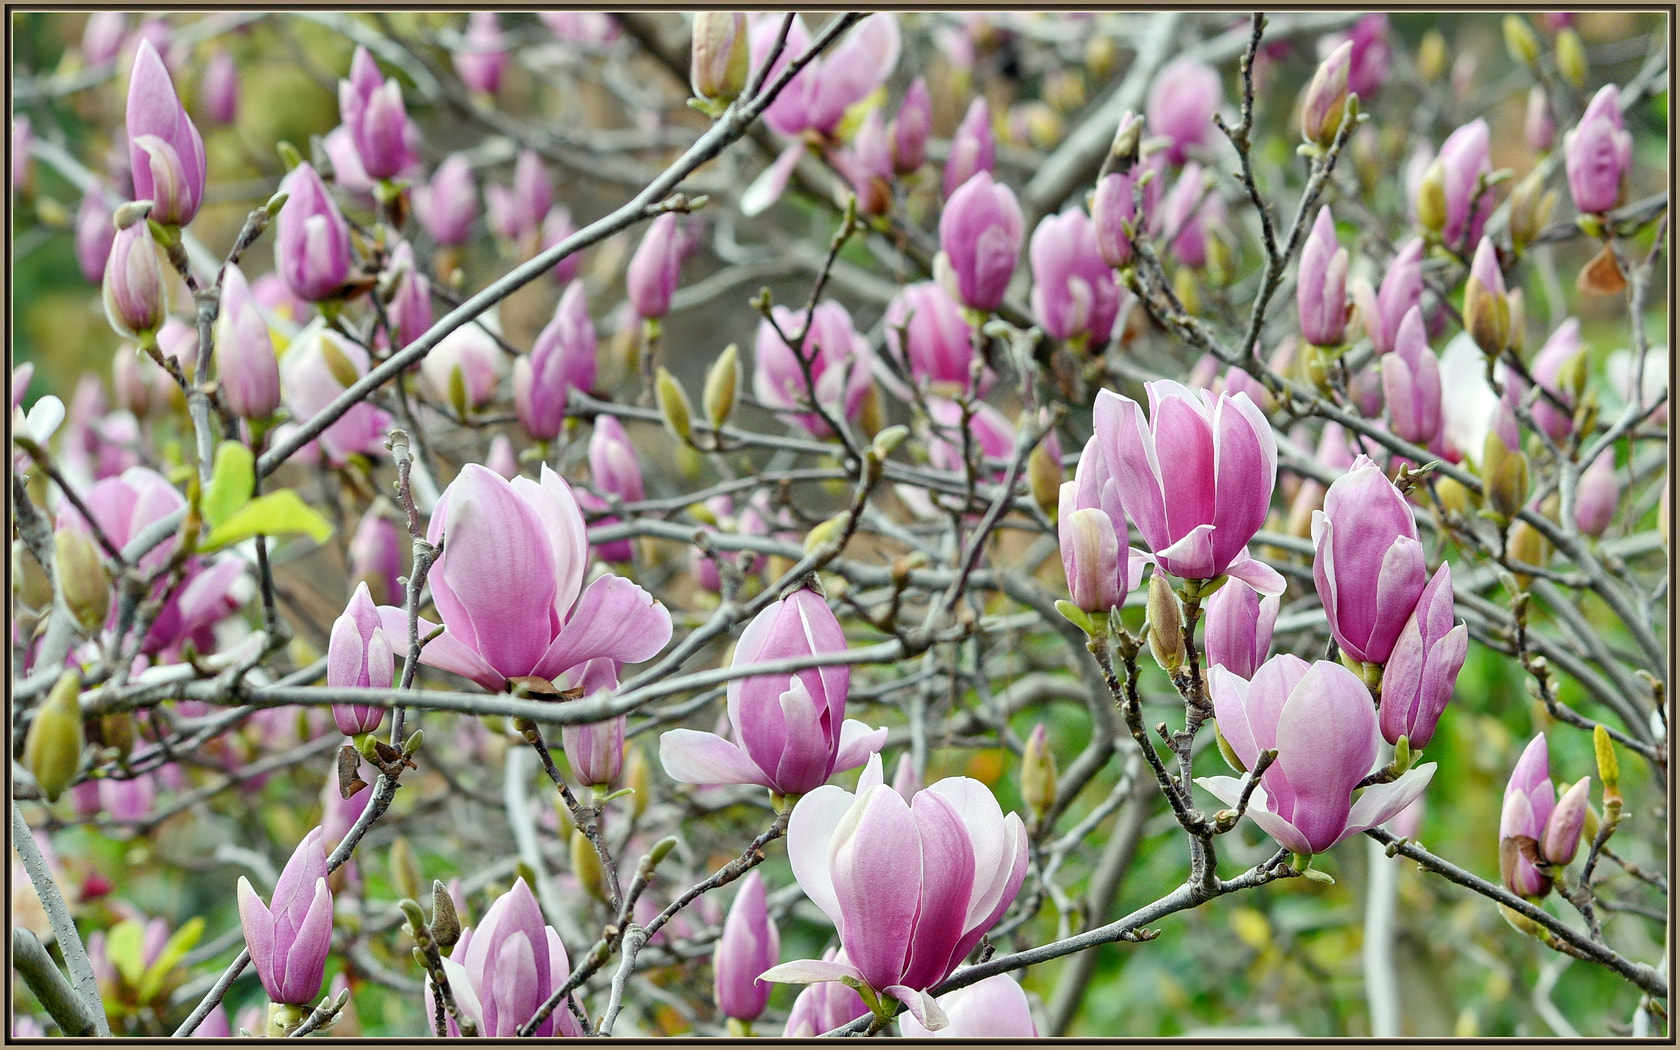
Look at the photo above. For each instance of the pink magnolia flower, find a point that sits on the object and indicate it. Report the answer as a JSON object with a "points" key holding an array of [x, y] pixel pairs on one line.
{"points": [[1402, 288], [1321, 284], [1196, 478], [1598, 153], [824, 1007], [509, 586], [980, 235], [973, 147], [1597, 495], [247, 373], [503, 969], [995, 1008], [371, 107], [94, 235], [519, 210], [911, 128], [840, 360], [1418, 679], [376, 557], [312, 245], [1239, 628], [818, 97], [1188, 211], [1411, 383], [1319, 719], [359, 656], [937, 342], [904, 925], [289, 940], [1464, 160], [1368, 564], [655, 268], [1529, 801], [1181, 105], [790, 733], [1074, 294], [165, 151], [562, 359], [447, 205], [750, 944], [318, 366], [1091, 527], [481, 62]]}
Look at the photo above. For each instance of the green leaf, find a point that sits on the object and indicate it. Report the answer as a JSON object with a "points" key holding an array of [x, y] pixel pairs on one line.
{"points": [[280, 513], [177, 946], [231, 483], [124, 947]]}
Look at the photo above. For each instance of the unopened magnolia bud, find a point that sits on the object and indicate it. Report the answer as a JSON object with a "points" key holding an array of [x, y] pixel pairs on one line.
{"points": [[1044, 478], [1528, 547], [87, 587], [721, 55], [1431, 201], [1609, 769], [888, 440], [1322, 105], [1504, 477], [1521, 42], [1038, 773], [723, 379], [825, 532], [1563, 830], [1166, 624], [405, 868], [637, 781], [586, 866], [1487, 313], [1517, 319], [1571, 57], [1531, 208], [674, 406], [1431, 56], [1100, 55], [53, 749], [446, 924], [116, 731]]}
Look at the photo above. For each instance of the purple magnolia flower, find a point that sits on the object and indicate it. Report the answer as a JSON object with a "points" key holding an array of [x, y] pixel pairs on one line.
{"points": [[655, 268], [1188, 211], [824, 1007], [1321, 284], [911, 128], [1319, 719], [1538, 127], [481, 62], [219, 90], [371, 107], [1598, 153], [247, 372], [136, 297], [1418, 679], [94, 236], [562, 359], [1411, 383], [613, 464], [1463, 161], [1091, 527], [289, 940], [1369, 569], [973, 147], [1560, 350], [556, 227], [165, 152], [359, 656], [790, 733], [1597, 495], [818, 97], [447, 205], [749, 945], [318, 366], [1368, 65], [840, 361], [1074, 294], [1196, 478], [995, 1008], [1529, 801], [1239, 628], [980, 235], [1181, 105], [376, 557], [509, 586], [462, 369], [937, 342], [518, 211], [409, 312], [312, 245], [1402, 288], [503, 969], [904, 925]]}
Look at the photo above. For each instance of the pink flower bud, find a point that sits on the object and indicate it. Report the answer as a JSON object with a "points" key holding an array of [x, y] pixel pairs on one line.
{"points": [[376, 558], [1321, 284], [750, 944], [973, 147], [136, 297], [655, 268], [359, 656], [839, 359], [1598, 153], [482, 61], [1563, 830], [447, 205], [247, 372], [518, 211], [1487, 312], [371, 107], [1538, 126], [1420, 673], [409, 310], [1074, 294], [103, 36], [317, 367], [1411, 383], [219, 90], [164, 148], [1597, 495], [1187, 212], [312, 245], [789, 731], [1464, 161], [503, 969], [94, 236], [1239, 628], [911, 128], [595, 750], [868, 164], [562, 359], [557, 226], [613, 463], [980, 235], [719, 61], [1402, 288], [937, 342], [462, 369], [1319, 719], [501, 457], [1115, 206], [1196, 479], [1326, 96], [1181, 105], [1529, 802], [290, 941], [1367, 564], [995, 1008]]}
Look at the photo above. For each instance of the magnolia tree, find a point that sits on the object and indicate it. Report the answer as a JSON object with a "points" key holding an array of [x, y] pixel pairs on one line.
{"points": [[978, 526]]}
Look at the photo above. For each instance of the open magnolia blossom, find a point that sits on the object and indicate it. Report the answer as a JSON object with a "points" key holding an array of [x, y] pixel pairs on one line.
{"points": [[911, 884], [1319, 719]]}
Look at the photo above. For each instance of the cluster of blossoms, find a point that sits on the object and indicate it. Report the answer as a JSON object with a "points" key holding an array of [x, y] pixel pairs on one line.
{"points": [[368, 486]]}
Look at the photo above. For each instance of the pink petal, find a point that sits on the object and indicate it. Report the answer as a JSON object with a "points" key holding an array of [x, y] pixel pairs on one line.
{"points": [[614, 618], [811, 829], [692, 757]]}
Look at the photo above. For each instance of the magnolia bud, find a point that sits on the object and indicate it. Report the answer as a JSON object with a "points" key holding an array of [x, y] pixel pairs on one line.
{"points": [[1571, 57], [674, 406], [723, 379], [53, 749], [1563, 830], [1609, 768], [405, 869], [1504, 477], [721, 55], [446, 923], [586, 866], [1431, 56], [1431, 204], [1166, 624], [1487, 310], [1044, 478], [1521, 42], [87, 587], [1038, 773], [1528, 547], [1321, 106], [1531, 208]]}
